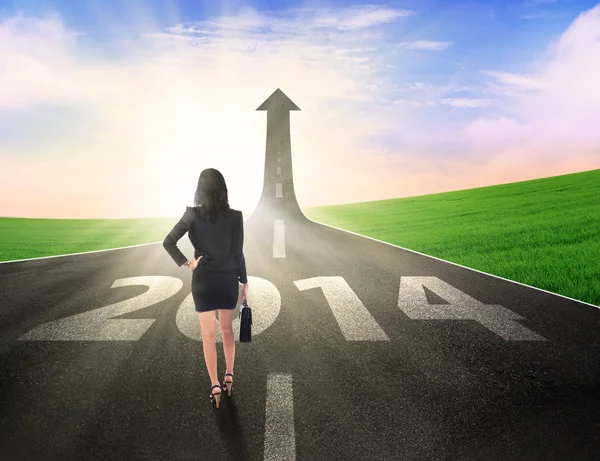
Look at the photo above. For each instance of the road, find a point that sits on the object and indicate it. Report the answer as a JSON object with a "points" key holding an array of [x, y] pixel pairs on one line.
{"points": [[361, 350]]}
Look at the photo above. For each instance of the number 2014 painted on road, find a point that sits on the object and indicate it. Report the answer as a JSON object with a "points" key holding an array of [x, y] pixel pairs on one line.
{"points": [[354, 320]]}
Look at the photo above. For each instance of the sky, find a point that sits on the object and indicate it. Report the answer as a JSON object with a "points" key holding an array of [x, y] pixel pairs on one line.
{"points": [[111, 109]]}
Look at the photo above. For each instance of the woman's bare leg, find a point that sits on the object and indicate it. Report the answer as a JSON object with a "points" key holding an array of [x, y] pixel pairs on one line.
{"points": [[208, 324], [226, 326]]}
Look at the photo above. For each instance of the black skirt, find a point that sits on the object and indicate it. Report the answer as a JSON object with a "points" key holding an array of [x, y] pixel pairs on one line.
{"points": [[213, 290]]}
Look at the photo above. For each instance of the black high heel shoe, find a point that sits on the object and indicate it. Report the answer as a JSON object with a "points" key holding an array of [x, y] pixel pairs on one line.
{"points": [[228, 384], [215, 398]]}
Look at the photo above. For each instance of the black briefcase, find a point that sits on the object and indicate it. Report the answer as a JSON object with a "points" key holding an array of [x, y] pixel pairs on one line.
{"points": [[245, 322]]}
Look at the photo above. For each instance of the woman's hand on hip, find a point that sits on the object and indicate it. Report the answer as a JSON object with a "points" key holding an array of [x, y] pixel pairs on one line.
{"points": [[192, 266]]}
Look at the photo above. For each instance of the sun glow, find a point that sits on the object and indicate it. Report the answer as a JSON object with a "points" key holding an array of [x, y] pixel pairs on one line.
{"points": [[183, 132]]}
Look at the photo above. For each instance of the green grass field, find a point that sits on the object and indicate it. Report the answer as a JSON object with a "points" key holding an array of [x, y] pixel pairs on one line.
{"points": [[22, 238], [544, 232]]}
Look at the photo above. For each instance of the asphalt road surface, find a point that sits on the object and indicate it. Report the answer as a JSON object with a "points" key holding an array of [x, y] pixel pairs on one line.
{"points": [[361, 350]]}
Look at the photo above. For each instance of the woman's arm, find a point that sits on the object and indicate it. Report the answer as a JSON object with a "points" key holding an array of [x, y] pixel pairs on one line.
{"points": [[170, 242], [238, 247]]}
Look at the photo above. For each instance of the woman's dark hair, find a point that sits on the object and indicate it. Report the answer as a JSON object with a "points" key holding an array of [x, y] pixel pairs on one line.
{"points": [[211, 194]]}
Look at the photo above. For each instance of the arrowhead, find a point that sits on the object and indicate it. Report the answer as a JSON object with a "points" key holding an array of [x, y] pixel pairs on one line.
{"points": [[278, 101]]}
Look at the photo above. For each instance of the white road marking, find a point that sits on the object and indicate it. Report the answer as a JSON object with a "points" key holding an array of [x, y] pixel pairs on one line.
{"points": [[279, 239], [496, 318], [278, 192], [352, 316], [280, 442], [98, 324], [278, 170]]}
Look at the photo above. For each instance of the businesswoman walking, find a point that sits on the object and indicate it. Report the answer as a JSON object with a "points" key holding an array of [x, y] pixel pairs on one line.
{"points": [[217, 234]]}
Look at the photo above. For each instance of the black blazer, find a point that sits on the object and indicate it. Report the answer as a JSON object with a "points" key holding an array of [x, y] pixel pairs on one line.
{"points": [[221, 243]]}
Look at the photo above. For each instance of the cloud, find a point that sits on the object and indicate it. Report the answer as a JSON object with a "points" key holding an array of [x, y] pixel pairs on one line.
{"points": [[465, 102], [543, 14], [533, 13], [303, 21], [556, 108], [411, 102], [41, 63], [520, 82], [425, 45], [497, 134], [33, 62], [359, 17], [536, 3], [454, 102]]}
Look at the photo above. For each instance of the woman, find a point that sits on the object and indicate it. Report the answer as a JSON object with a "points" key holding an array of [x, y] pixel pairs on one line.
{"points": [[217, 234]]}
